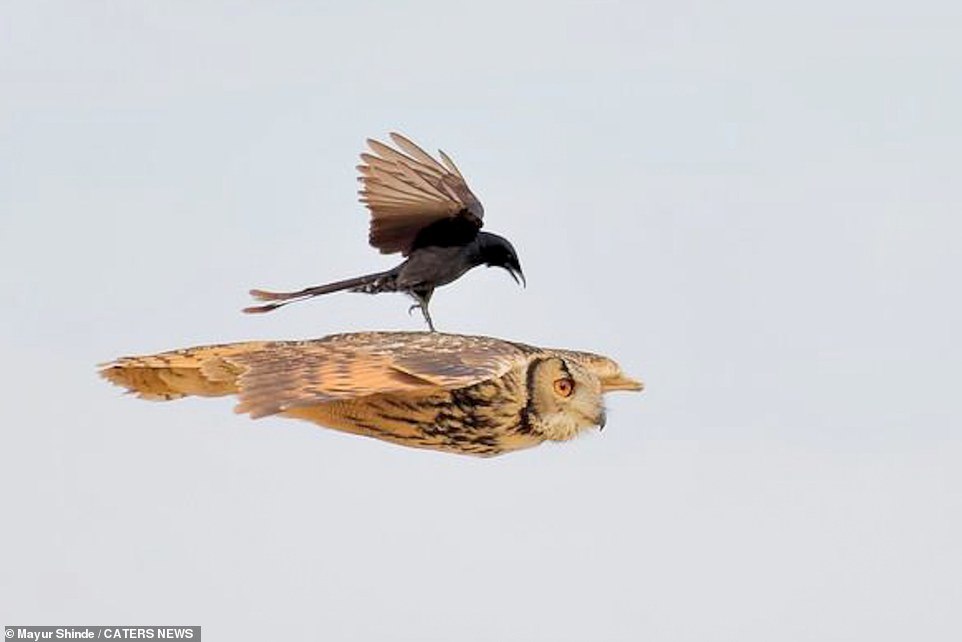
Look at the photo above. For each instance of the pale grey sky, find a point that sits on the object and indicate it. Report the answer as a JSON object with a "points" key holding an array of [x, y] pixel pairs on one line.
{"points": [[753, 206]]}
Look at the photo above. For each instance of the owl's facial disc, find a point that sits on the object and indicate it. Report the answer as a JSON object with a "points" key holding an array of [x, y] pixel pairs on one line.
{"points": [[565, 398]]}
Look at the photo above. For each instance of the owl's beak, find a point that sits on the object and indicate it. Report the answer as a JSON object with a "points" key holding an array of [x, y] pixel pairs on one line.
{"points": [[602, 420], [620, 382]]}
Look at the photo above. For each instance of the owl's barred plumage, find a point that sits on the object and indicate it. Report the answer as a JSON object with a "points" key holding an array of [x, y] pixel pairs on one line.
{"points": [[464, 394]]}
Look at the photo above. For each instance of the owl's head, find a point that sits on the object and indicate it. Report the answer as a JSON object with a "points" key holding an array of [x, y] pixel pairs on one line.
{"points": [[566, 393]]}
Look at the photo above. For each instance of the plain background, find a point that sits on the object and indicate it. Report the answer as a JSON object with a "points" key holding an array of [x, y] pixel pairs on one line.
{"points": [[753, 206]]}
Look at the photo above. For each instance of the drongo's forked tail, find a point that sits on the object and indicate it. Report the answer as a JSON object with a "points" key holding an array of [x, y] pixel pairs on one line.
{"points": [[367, 283]]}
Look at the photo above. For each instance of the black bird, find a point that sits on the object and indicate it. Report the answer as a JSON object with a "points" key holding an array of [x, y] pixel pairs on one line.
{"points": [[424, 210]]}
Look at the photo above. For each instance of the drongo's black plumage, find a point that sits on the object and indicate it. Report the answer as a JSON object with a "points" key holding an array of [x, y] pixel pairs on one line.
{"points": [[423, 209]]}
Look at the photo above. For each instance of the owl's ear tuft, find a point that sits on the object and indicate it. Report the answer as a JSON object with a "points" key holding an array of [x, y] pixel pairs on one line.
{"points": [[620, 381]]}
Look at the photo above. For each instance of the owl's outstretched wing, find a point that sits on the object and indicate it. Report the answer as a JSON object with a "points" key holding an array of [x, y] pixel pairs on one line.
{"points": [[272, 377], [204, 371], [414, 199]]}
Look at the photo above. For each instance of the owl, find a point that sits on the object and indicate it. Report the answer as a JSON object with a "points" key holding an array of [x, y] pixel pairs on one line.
{"points": [[470, 395]]}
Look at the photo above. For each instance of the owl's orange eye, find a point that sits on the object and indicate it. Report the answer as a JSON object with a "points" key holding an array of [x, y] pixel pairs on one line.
{"points": [[564, 387]]}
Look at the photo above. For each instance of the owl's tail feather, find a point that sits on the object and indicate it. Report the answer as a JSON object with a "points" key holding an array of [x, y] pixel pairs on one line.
{"points": [[366, 283]]}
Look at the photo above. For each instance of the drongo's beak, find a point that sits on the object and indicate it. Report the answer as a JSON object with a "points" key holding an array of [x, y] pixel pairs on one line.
{"points": [[517, 275]]}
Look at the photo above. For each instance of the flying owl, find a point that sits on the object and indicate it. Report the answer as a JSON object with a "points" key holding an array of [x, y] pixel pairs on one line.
{"points": [[470, 395]]}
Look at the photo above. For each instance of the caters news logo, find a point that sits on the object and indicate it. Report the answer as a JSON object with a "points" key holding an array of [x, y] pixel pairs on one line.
{"points": [[101, 633]]}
